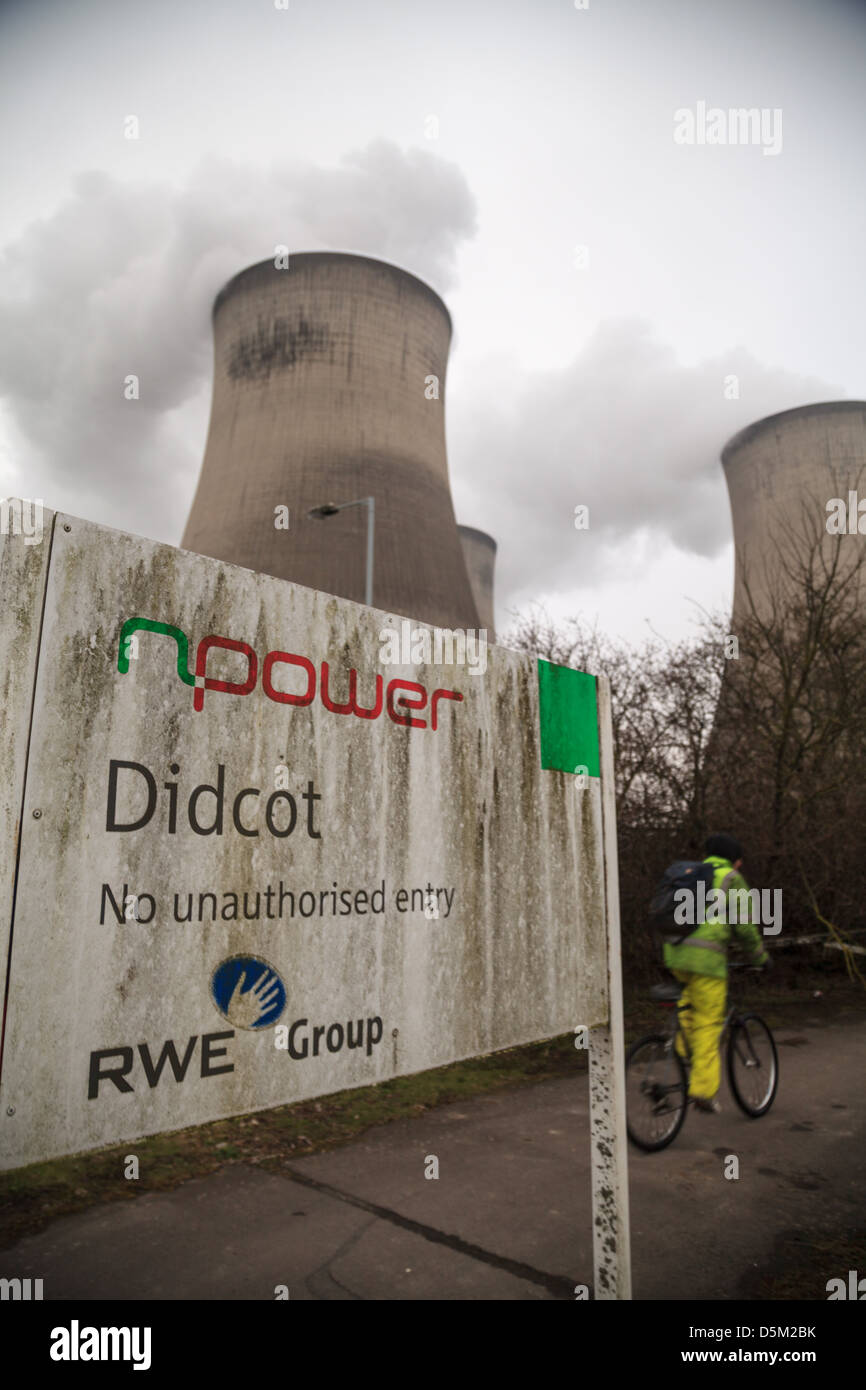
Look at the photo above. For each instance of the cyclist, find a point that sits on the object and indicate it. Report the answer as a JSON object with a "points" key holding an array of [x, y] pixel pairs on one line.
{"points": [[700, 962]]}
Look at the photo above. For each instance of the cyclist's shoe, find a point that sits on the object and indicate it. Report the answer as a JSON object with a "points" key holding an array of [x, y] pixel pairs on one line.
{"points": [[710, 1105]]}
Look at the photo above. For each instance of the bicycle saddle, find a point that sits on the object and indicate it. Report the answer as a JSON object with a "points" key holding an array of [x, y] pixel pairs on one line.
{"points": [[667, 992]]}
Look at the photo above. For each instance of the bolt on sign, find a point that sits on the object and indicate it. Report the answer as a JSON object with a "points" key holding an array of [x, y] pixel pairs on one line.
{"points": [[243, 863]]}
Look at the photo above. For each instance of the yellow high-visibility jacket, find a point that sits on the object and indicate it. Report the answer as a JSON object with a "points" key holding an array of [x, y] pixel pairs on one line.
{"points": [[705, 951]]}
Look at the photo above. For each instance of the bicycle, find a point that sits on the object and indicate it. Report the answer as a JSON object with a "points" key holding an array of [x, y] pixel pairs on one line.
{"points": [[659, 1076]]}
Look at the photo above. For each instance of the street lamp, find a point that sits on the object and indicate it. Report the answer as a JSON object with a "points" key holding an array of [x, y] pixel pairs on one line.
{"points": [[329, 509]]}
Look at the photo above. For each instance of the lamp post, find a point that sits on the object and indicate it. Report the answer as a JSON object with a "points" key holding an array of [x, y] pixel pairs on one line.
{"points": [[329, 508]]}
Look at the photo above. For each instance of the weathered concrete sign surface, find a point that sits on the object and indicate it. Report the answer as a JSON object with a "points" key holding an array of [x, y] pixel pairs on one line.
{"points": [[23, 568], [256, 863]]}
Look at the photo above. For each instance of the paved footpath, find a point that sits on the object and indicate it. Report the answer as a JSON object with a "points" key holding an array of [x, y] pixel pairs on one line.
{"points": [[508, 1216]]}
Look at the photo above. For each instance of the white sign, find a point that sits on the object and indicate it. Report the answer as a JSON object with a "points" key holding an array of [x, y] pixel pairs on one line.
{"points": [[257, 865]]}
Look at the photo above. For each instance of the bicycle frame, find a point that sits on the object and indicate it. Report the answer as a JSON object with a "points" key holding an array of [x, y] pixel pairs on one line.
{"points": [[741, 1037]]}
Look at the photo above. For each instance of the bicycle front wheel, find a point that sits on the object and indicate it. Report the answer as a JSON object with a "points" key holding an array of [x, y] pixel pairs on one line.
{"points": [[656, 1084], [753, 1065]]}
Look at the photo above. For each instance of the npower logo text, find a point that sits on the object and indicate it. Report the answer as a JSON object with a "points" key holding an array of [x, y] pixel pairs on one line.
{"points": [[399, 695]]}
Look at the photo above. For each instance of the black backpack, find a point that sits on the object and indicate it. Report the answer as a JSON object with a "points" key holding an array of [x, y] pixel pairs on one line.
{"points": [[684, 874]]}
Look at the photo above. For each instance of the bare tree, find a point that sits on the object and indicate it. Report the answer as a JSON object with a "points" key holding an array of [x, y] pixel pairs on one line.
{"points": [[789, 748], [768, 742]]}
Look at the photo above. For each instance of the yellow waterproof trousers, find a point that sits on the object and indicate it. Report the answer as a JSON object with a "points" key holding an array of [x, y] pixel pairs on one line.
{"points": [[702, 1025]]}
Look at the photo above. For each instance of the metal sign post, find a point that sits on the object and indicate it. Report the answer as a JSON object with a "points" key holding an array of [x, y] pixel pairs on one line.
{"points": [[611, 1234]]}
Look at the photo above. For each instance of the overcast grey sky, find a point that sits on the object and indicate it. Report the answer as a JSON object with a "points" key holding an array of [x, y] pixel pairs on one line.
{"points": [[600, 383]]}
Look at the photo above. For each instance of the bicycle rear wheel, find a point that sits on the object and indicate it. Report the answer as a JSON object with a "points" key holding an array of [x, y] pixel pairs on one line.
{"points": [[753, 1065], [656, 1086]]}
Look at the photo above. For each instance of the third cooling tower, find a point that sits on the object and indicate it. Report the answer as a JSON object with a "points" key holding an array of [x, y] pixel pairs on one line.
{"points": [[329, 387], [781, 473], [480, 552]]}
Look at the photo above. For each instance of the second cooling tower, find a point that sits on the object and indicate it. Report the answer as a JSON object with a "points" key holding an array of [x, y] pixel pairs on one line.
{"points": [[781, 473], [329, 384]]}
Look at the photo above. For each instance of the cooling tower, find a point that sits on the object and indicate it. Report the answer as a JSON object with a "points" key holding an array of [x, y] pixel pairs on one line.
{"points": [[329, 385], [479, 550], [781, 473]]}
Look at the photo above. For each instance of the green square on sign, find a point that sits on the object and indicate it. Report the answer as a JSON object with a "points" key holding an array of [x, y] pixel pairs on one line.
{"points": [[569, 719]]}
